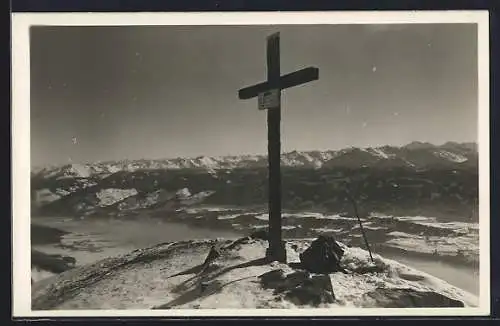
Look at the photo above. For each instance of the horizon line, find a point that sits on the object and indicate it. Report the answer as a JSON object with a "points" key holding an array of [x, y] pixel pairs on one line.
{"points": [[246, 154]]}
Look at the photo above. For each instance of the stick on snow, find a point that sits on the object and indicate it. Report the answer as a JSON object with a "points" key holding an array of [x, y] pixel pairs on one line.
{"points": [[353, 202]]}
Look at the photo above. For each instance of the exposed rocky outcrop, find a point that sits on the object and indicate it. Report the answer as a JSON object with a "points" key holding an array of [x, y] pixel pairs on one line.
{"points": [[299, 287], [323, 256], [52, 263], [402, 298]]}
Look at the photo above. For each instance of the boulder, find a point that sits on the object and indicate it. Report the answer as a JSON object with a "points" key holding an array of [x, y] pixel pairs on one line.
{"points": [[272, 279], [408, 298], [323, 256], [299, 287], [313, 291], [294, 279]]}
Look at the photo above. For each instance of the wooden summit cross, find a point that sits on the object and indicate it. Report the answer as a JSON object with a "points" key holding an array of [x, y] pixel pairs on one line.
{"points": [[269, 96]]}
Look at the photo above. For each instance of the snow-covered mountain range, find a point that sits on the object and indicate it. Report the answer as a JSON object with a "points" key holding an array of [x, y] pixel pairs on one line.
{"points": [[419, 178], [416, 155]]}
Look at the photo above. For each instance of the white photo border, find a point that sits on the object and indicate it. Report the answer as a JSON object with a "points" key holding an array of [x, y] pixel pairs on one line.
{"points": [[21, 22]]}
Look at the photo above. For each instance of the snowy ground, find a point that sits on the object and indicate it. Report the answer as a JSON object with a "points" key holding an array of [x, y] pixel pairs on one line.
{"points": [[167, 276]]}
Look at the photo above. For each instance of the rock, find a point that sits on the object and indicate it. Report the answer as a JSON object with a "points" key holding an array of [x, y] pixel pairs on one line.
{"points": [[213, 254], [272, 279], [303, 295], [408, 298], [277, 280], [260, 234], [320, 282], [314, 291], [294, 279], [323, 256], [210, 287], [300, 287], [54, 263]]}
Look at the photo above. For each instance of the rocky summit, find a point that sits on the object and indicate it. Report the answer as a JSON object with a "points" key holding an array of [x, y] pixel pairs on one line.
{"points": [[177, 276]]}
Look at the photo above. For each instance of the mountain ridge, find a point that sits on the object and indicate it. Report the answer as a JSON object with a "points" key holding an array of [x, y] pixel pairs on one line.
{"points": [[421, 179], [401, 156]]}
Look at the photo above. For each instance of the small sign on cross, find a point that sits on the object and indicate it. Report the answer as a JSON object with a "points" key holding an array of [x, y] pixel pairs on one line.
{"points": [[269, 99]]}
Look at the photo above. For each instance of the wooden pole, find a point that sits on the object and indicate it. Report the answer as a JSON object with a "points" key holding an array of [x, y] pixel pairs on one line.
{"points": [[269, 93], [355, 207], [276, 250]]}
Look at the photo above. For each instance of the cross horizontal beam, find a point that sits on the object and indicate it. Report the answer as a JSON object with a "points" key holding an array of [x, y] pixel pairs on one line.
{"points": [[289, 80]]}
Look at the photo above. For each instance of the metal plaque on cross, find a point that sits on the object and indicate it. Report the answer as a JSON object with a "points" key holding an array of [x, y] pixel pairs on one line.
{"points": [[269, 99]]}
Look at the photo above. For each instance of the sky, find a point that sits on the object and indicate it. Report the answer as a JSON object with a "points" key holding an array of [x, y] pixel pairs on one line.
{"points": [[112, 93]]}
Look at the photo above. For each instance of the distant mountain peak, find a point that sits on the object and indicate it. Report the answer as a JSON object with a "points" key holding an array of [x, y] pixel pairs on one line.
{"points": [[419, 145], [416, 154]]}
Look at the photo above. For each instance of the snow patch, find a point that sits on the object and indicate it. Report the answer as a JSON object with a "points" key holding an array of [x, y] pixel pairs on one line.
{"points": [[151, 199], [113, 169], [198, 210], [291, 227], [76, 171], [449, 246], [62, 192], [399, 234], [415, 219], [457, 226], [451, 156], [208, 162], [203, 194], [327, 230], [227, 217], [380, 153], [375, 228], [46, 196], [111, 196], [262, 217], [183, 193]]}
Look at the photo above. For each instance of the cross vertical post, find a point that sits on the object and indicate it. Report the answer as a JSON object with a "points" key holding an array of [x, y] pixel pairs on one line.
{"points": [[276, 250], [269, 94]]}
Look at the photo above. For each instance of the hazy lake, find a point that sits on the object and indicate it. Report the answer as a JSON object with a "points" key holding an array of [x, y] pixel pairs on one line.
{"points": [[464, 277]]}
